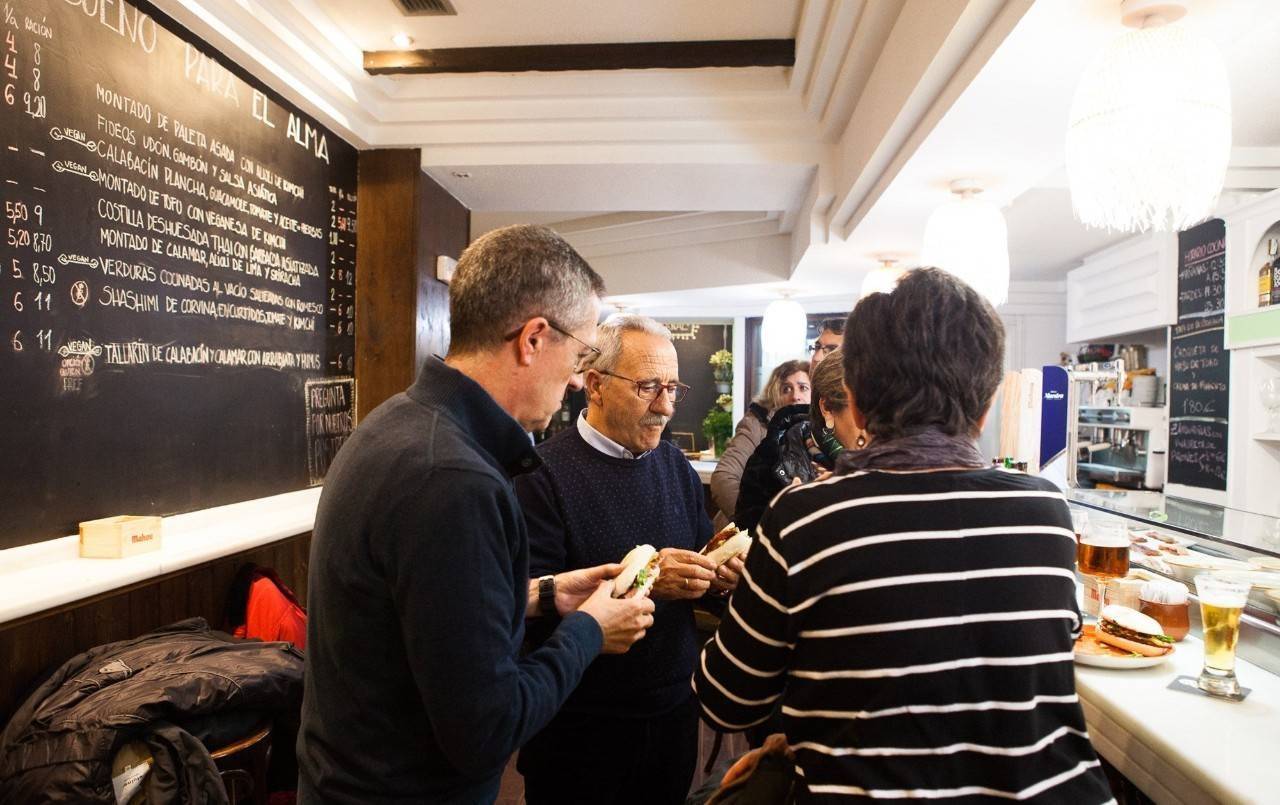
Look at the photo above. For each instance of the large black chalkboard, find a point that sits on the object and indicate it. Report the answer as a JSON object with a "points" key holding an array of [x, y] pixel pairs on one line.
{"points": [[177, 265], [1200, 365]]}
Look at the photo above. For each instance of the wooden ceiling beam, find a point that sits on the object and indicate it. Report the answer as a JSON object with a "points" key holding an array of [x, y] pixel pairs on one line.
{"points": [[557, 58]]}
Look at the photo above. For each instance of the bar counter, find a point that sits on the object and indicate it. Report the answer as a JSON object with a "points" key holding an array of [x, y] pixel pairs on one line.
{"points": [[1184, 747]]}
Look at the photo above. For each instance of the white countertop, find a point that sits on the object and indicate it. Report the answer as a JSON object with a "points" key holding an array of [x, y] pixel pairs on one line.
{"points": [[704, 469], [1183, 747], [47, 574]]}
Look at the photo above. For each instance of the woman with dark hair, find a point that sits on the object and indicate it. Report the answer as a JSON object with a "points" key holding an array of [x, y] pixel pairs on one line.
{"points": [[914, 614], [788, 385], [800, 443]]}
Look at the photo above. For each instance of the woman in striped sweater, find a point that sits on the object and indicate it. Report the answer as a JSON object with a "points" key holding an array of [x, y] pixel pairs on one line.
{"points": [[913, 614]]}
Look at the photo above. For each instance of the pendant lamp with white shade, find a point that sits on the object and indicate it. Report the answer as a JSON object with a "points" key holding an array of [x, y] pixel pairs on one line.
{"points": [[967, 236], [783, 332], [1149, 136], [881, 280]]}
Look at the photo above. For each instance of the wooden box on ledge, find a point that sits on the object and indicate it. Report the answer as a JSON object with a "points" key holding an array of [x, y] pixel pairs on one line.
{"points": [[118, 537]]}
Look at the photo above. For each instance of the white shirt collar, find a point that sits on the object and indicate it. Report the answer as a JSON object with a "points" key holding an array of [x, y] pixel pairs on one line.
{"points": [[603, 443]]}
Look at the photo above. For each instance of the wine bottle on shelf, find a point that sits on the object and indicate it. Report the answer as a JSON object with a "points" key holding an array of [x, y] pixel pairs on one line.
{"points": [[1264, 275], [1273, 246]]}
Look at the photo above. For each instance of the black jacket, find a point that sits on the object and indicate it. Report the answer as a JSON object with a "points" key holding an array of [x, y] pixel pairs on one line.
{"points": [[417, 589], [173, 689], [764, 476]]}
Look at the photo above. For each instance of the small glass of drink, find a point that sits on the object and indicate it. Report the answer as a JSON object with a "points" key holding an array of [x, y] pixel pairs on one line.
{"points": [[1222, 602], [1104, 553]]}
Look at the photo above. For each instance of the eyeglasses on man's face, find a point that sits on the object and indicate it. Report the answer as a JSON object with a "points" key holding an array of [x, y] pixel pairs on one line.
{"points": [[823, 349], [584, 359], [649, 389]]}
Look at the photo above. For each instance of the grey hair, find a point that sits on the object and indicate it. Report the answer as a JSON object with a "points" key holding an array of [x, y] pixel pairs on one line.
{"points": [[511, 275], [609, 337]]}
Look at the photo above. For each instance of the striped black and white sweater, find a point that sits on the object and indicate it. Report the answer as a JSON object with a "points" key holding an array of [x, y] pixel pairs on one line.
{"points": [[916, 629]]}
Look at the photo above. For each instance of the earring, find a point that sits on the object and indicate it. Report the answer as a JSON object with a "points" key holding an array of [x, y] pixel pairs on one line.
{"points": [[862, 440], [831, 423]]}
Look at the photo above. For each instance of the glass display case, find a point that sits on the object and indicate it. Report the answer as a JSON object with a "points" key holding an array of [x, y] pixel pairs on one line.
{"points": [[1176, 539]]}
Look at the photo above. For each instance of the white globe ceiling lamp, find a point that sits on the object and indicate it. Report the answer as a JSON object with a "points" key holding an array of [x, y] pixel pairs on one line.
{"points": [[1150, 131], [881, 280], [783, 332], [967, 237]]}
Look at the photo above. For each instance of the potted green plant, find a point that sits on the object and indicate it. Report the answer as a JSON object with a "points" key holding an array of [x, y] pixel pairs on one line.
{"points": [[718, 427], [722, 369]]}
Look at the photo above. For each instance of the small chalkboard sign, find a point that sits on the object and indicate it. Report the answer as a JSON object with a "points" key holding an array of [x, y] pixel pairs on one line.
{"points": [[1200, 373], [1200, 365]]}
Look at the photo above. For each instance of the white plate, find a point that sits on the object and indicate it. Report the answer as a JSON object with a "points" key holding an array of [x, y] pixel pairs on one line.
{"points": [[1107, 661], [1112, 661]]}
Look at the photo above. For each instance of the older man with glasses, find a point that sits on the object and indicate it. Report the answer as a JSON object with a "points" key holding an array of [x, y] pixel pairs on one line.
{"points": [[629, 731]]}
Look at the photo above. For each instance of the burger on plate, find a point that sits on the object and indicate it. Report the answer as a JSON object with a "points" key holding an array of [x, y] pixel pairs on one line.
{"points": [[639, 572], [1130, 630], [726, 544]]}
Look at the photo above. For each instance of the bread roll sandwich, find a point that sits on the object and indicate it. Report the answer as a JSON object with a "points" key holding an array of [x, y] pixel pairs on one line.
{"points": [[639, 572], [1130, 630], [726, 544]]}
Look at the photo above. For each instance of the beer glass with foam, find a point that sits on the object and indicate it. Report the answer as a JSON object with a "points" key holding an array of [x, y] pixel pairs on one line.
{"points": [[1104, 553], [1222, 602]]}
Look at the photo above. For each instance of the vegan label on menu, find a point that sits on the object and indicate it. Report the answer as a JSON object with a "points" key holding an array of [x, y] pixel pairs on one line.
{"points": [[178, 264], [1200, 363]]}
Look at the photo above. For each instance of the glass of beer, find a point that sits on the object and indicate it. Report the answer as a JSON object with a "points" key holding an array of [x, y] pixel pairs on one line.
{"points": [[1079, 522], [1104, 554], [1222, 602]]}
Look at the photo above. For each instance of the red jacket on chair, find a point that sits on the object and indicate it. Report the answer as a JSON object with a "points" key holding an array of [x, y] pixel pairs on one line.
{"points": [[272, 612]]}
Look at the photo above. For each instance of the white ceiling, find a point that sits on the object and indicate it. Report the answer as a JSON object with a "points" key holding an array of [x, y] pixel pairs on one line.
{"points": [[722, 186], [1008, 129], [487, 23]]}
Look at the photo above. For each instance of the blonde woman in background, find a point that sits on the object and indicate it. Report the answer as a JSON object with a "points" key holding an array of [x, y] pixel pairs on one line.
{"points": [[788, 385]]}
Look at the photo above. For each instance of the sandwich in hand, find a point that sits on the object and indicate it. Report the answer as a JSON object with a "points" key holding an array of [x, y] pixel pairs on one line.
{"points": [[725, 545], [1130, 630], [639, 572]]}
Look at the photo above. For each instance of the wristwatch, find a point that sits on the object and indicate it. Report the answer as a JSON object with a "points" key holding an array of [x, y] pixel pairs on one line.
{"points": [[547, 595]]}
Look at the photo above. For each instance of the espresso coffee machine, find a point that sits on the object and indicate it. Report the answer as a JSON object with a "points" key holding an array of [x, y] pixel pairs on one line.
{"points": [[1122, 446], [1114, 444]]}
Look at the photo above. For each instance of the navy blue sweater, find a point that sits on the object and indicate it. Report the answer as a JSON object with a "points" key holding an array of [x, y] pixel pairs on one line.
{"points": [[415, 690], [585, 508]]}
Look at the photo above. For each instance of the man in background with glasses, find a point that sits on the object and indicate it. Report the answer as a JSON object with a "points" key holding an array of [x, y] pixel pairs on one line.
{"points": [[830, 334], [629, 732]]}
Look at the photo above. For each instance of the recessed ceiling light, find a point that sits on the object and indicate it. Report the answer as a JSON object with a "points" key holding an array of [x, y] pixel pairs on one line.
{"points": [[402, 40], [461, 174]]}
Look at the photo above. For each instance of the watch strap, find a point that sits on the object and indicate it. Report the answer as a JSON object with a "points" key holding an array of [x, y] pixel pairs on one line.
{"points": [[547, 595]]}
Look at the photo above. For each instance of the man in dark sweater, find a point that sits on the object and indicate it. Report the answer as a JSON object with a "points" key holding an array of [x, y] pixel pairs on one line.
{"points": [[629, 732], [419, 579]]}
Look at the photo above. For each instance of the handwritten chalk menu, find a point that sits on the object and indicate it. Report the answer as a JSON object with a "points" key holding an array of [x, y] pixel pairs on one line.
{"points": [[176, 274], [1200, 364]]}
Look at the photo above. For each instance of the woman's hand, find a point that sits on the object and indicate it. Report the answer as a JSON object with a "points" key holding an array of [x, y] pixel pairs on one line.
{"points": [[775, 744]]}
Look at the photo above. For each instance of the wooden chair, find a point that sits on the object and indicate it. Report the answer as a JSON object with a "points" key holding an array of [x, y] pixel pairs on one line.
{"points": [[243, 767]]}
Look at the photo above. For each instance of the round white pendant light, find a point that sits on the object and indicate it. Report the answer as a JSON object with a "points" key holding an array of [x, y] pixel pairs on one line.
{"points": [[881, 280], [1150, 129], [783, 332], [967, 237]]}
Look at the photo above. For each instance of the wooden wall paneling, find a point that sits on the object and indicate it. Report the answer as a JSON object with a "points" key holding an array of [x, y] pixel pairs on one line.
{"points": [[444, 228], [590, 56], [386, 285]]}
